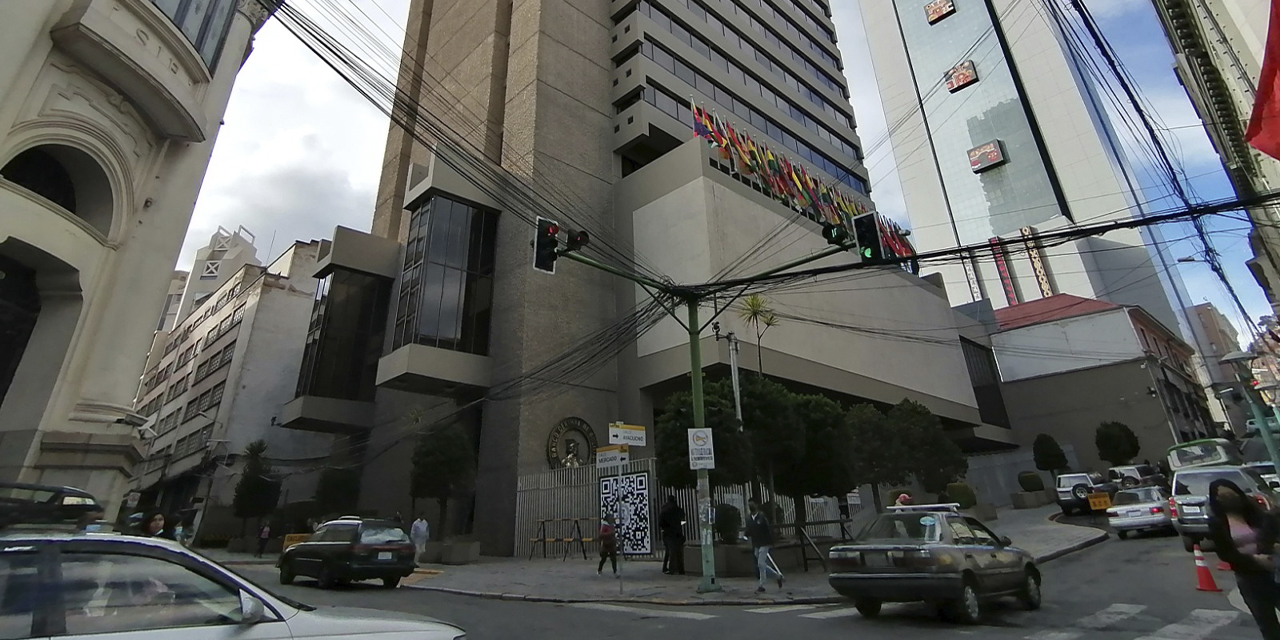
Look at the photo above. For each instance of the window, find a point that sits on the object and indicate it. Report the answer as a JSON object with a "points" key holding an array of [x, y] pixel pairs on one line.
{"points": [[109, 592], [981, 535], [203, 22], [960, 531], [382, 534], [345, 334], [238, 314], [215, 394]]}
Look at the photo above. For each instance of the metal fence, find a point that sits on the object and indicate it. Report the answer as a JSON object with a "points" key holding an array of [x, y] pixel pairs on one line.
{"points": [[562, 495]]}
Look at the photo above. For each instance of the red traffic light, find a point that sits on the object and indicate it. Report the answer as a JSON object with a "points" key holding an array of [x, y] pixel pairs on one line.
{"points": [[553, 230]]}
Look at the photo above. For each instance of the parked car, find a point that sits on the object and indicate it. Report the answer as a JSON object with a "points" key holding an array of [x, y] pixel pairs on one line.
{"points": [[350, 549], [60, 581], [1137, 475], [1140, 509], [932, 553], [1268, 472], [1189, 506], [1074, 490]]}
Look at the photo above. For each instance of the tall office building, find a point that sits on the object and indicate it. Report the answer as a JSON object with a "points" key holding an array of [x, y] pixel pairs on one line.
{"points": [[1218, 47], [999, 133], [440, 307]]}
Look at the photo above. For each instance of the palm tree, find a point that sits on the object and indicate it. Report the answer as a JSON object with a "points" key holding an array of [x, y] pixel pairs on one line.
{"points": [[757, 312]]}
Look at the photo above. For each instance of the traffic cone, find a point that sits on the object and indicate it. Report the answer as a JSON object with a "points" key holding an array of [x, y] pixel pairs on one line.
{"points": [[1223, 565], [1204, 578]]}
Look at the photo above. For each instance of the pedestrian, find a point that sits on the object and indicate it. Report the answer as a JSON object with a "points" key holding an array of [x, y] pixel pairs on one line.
{"points": [[904, 499], [419, 533], [152, 525], [399, 520], [760, 531], [264, 535], [1244, 536], [671, 524], [608, 545]]}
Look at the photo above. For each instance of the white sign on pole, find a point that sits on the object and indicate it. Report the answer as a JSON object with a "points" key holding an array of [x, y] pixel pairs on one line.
{"points": [[628, 434], [702, 453], [612, 456]]}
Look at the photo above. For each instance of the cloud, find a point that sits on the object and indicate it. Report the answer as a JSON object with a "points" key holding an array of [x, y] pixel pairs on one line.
{"points": [[1111, 9]]}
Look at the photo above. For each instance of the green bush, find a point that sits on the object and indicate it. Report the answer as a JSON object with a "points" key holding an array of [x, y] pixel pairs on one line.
{"points": [[728, 523], [962, 494], [1030, 481]]}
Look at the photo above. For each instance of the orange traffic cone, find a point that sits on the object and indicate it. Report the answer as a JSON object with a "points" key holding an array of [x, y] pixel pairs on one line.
{"points": [[1204, 578], [1223, 565]]}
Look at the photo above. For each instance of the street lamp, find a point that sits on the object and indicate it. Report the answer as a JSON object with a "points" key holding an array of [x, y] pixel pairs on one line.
{"points": [[1239, 361]]}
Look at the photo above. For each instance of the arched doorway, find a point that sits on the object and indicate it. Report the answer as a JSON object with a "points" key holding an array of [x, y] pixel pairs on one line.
{"points": [[19, 309], [67, 177]]}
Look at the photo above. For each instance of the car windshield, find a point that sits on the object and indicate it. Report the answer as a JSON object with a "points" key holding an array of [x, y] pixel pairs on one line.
{"points": [[374, 533], [1138, 496], [904, 527], [1197, 483], [1071, 480]]}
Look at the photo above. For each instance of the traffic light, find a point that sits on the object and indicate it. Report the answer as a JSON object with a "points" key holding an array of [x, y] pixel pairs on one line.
{"points": [[545, 243], [866, 231], [835, 234], [577, 240]]}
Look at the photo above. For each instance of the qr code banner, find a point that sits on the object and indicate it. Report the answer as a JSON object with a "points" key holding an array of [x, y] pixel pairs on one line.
{"points": [[626, 497]]}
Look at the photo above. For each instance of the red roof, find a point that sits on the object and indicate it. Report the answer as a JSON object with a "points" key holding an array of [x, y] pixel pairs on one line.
{"points": [[1059, 307]]}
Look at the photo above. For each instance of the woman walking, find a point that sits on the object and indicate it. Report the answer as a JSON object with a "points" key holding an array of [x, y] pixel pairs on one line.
{"points": [[1245, 537], [608, 545]]}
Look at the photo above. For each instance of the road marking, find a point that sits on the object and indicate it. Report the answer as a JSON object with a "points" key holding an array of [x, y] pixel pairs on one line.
{"points": [[1199, 624], [656, 613], [831, 613], [783, 608], [1104, 618]]}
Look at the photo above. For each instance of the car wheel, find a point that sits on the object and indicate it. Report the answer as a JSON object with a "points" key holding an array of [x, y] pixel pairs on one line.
{"points": [[868, 607], [391, 583], [1030, 595], [326, 580], [286, 573], [1188, 544], [967, 609], [1122, 534], [1081, 492]]}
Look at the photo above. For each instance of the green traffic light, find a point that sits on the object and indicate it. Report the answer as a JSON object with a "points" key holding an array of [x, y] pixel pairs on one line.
{"points": [[866, 253]]}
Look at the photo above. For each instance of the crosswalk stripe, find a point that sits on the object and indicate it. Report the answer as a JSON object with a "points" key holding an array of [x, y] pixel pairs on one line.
{"points": [[657, 613], [1196, 626], [783, 609], [831, 613], [1099, 620]]}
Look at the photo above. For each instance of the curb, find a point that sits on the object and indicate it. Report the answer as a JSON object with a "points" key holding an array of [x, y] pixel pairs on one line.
{"points": [[1054, 555], [720, 602]]}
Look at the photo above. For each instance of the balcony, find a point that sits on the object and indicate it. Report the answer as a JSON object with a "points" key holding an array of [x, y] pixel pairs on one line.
{"points": [[430, 370], [139, 50], [327, 415]]}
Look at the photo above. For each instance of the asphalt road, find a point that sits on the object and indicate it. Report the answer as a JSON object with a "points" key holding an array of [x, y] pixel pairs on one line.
{"points": [[1139, 589]]}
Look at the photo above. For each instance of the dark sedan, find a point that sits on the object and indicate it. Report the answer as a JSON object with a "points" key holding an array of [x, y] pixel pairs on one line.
{"points": [[932, 553], [350, 549]]}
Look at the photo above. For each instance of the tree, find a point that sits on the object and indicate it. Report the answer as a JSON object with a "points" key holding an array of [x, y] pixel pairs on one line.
{"points": [[444, 465], [827, 468], [1048, 455], [881, 454], [733, 451], [757, 312], [337, 490], [936, 459], [257, 492], [1116, 443], [776, 431]]}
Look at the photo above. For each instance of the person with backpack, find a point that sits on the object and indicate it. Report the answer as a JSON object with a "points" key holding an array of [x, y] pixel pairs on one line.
{"points": [[608, 545]]}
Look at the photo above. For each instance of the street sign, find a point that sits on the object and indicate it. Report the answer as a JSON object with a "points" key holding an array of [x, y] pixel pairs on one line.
{"points": [[1099, 501], [702, 453], [614, 455], [628, 434]]}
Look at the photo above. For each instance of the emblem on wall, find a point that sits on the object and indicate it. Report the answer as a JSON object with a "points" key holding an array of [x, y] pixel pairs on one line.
{"points": [[961, 76], [572, 443], [939, 9], [986, 156]]}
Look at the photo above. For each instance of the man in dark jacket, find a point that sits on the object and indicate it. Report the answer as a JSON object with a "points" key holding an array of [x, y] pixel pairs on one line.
{"points": [[671, 524], [760, 531]]}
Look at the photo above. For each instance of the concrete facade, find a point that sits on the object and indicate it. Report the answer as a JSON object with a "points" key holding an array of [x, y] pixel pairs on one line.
{"points": [[215, 263], [172, 301], [1061, 163], [1227, 408], [1218, 47], [217, 384], [108, 115]]}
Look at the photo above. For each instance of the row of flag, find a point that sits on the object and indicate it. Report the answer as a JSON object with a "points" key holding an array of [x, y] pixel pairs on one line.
{"points": [[788, 183]]}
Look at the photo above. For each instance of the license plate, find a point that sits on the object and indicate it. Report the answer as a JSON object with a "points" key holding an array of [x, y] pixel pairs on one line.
{"points": [[1190, 509], [1133, 514], [875, 559], [384, 555]]}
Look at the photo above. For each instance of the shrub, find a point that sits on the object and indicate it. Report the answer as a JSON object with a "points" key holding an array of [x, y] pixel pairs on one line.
{"points": [[1030, 481], [728, 523], [962, 494]]}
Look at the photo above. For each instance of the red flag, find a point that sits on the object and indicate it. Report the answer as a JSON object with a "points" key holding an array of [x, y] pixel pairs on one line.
{"points": [[1264, 125]]}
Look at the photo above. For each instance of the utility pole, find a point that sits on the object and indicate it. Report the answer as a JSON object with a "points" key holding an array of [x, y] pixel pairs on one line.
{"points": [[732, 338]]}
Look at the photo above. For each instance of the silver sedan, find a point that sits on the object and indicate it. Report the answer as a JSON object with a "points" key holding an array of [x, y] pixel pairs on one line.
{"points": [[1142, 509]]}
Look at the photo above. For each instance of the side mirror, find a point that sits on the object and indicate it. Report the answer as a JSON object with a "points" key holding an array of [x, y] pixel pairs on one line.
{"points": [[1004, 540], [252, 611]]}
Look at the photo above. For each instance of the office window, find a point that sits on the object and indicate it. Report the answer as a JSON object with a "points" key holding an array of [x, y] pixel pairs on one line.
{"points": [[345, 336]]}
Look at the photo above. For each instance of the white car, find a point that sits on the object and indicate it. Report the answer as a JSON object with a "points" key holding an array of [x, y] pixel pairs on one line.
{"points": [[108, 586], [1268, 472], [1141, 509]]}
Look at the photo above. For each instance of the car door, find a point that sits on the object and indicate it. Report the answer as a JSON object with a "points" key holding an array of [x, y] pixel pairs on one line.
{"points": [[26, 572], [117, 591], [981, 559], [1007, 566], [304, 557]]}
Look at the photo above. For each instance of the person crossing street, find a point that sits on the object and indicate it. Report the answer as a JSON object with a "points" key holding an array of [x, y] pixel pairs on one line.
{"points": [[760, 531]]}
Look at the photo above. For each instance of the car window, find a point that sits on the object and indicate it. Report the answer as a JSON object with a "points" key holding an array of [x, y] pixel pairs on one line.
{"points": [[1068, 481], [981, 534], [1196, 483], [960, 531], [1146, 470], [1132, 497], [381, 534], [914, 527], [342, 533], [1096, 478], [20, 591], [110, 592]]}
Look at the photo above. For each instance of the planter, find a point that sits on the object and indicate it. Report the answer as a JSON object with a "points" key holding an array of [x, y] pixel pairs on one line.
{"points": [[983, 511], [1050, 495], [732, 560], [432, 553], [460, 553], [1027, 499]]}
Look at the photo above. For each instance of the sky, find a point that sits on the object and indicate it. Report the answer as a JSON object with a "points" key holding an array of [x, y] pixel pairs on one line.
{"points": [[300, 152]]}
